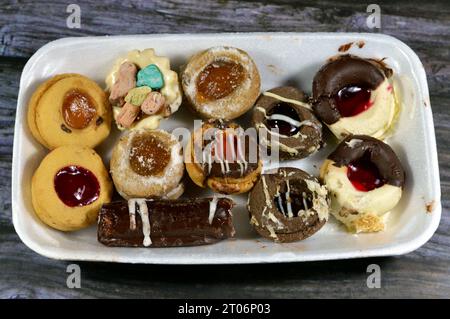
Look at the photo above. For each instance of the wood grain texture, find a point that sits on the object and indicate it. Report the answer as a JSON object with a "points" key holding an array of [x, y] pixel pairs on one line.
{"points": [[27, 25]]}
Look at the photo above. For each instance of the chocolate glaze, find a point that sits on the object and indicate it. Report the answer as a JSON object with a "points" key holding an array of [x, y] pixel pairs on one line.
{"points": [[288, 229], [343, 71], [313, 134], [380, 154], [173, 223]]}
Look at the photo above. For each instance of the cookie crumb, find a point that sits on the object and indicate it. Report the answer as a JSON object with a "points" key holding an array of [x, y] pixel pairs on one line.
{"points": [[345, 47], [360, 44], [429, 207]]}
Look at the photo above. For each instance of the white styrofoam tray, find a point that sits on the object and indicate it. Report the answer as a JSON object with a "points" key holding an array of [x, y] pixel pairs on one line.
{"points": [[282, 58]]}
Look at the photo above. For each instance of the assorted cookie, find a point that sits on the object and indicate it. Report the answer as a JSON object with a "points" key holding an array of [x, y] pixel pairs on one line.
{"points": [[147, 164], [365, 179], [288, 205], [286, 113], [221, 157], [69, 109], [69, 187], [143, 90], [353, 95], [70, 114], [221, 83]]}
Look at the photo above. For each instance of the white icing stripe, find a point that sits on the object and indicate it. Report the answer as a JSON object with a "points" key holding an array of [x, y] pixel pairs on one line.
{"points": [[280, 204], [132, 213], [146, 230], [283, 99], [285, 119], [212, 209], [288, 200]]}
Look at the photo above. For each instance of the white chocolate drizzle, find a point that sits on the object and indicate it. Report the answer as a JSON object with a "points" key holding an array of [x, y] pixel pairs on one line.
{"points": [[288, 199], [284, 99], [212, 209], [145, 218]]}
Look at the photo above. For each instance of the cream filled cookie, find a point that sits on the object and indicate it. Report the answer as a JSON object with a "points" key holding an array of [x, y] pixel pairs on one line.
{"points": [[221, 157], [286, 110], [355, 96], [148, 164], [143, 90], [288, 205], [365, 179], [221, 83]]}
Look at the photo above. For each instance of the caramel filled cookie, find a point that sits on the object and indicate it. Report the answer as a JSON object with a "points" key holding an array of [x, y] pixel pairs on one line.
{"points": [[221, 83], [69, 109], [288, 205], [286, 109], [221, 157], [355, 96], [148, 164], [365, 178]]}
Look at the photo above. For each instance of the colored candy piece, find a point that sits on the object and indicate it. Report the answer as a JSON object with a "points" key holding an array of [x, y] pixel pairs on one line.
{"points": [[137, 95], [154, 102], [126, 81], [127, 115], [150, 76]]}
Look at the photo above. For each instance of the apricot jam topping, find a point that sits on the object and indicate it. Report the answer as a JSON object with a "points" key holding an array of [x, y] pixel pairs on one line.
{"points": [[219, 79], [78, 109], [76, 186], [148, 155]]}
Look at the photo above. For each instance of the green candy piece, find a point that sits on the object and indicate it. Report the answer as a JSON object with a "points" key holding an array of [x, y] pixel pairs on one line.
{"points": [[137, 95], [150, 76]]}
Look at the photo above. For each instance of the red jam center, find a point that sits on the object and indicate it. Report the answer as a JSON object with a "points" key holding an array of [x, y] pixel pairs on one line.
{"points": [[284, 127], [352, 100], [364, 175], [76, 186]]}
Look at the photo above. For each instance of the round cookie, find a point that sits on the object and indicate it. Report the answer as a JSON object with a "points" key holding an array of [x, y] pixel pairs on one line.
{"points": [[220, 157], [287, 110], [365, 178], [72, 110], [69, 187], [288, 205], [355, 96], [148, 164], [221, 83]]}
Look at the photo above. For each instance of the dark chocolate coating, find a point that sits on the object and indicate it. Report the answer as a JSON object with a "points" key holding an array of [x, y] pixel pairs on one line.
{"points": [[313, 134], [380, 154], [338, 73], [294, 228], [173, 223]]}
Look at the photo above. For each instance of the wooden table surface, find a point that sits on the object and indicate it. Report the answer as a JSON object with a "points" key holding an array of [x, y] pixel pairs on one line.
{"points": [[26, 25]]}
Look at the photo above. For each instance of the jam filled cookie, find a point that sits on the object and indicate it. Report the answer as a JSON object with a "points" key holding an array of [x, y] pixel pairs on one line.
{"points": [[165, 223], [286, 109], [221, 83], [355, 96], [365, 180], [143, 90], [69, 187], [69, 109], [288, 205], [148, 163], [221, 157]]}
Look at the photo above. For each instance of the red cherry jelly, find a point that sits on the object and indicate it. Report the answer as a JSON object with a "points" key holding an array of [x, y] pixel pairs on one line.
{"points": [[352, 100], [76, 186], [284, 128], [364, 175]]}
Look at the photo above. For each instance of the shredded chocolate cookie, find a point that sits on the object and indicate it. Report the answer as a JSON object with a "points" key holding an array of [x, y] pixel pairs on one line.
{"points": [[286, 109], [288, 205]]}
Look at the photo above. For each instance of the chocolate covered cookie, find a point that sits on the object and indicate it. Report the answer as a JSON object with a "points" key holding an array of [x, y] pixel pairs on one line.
{"points": [[288, 205], [353, 95], [365, 179], [285, 114]]}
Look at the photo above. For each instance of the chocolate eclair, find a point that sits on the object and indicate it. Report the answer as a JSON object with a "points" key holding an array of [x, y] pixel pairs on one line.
{"points": [[365, 179], [165, 223], [223, 158], [288, 205], [353, 95], [286, 110]]}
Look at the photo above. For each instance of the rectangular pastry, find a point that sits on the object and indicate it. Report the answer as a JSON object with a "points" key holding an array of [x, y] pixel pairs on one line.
{"points": [[165, 223]]}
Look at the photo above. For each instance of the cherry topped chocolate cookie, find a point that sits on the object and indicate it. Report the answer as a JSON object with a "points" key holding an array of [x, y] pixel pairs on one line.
{"points": [[353, 95], [288, 122], [288, 205], [366, 179], [221, 83]]}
